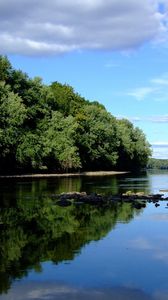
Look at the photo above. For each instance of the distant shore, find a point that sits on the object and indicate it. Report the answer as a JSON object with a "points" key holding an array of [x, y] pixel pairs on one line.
{"points": [[98, 173]]}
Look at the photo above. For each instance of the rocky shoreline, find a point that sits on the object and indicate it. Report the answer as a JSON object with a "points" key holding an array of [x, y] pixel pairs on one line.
{"points": [[138, 200]]}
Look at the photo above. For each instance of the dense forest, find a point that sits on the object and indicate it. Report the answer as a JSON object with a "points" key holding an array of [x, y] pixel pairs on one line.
{"points": [[52, 128], [154, 163]]}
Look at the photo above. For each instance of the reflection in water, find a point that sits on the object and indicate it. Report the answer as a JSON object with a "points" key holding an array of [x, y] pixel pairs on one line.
{"points": [[38, 239], [36, 189], [38, 231], [43, 291]]}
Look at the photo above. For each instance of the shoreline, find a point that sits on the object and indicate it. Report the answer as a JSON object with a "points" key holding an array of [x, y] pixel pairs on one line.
{"points": [[96, 173]]}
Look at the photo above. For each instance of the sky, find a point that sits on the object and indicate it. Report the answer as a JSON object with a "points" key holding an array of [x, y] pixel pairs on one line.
{"points": [[111, 51]]}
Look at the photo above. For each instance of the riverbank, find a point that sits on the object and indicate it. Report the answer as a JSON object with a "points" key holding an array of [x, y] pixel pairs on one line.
{"points": [[98, 173]]}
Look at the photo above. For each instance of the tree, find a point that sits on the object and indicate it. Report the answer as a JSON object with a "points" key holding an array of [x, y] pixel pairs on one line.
{"points": [[29, 153], [97, 137], [66, 100], [142, 150], [134, 149], [55, 128], [59, 137], [5, 68], [13, 115]]}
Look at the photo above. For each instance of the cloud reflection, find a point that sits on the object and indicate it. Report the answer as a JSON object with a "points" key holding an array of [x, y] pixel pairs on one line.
{"points": [[141, 244], [52, 291], [155, 248], [159, 217]]}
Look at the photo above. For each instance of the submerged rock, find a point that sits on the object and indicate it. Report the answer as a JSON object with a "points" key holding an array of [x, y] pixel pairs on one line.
{"points": [[138, 200], [64, 202]]}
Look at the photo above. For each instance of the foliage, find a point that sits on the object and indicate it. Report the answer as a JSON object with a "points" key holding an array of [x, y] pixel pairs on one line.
{"points": [[53, 128], [134, 150], [157, 163], [97, 137], [38, 230], [12, 117], [59, 141]]}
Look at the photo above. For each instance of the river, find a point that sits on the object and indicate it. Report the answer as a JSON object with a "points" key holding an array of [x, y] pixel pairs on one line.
{"points": [[49, 252]]}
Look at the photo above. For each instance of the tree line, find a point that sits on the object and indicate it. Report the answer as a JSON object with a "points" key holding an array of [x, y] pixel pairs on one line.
{"points": [[155, 163], [52, 128]]}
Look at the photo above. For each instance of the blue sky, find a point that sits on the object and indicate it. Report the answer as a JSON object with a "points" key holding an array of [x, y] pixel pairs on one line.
{"points": [[113, 51]]}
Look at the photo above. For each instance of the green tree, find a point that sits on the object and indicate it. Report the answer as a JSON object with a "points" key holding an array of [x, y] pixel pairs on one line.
{"points": [[29, 151], [13, 115], [155, 163], [5, 68], [59, 139], [53, 127], [97, 137], [66, 100], [134, 150]]}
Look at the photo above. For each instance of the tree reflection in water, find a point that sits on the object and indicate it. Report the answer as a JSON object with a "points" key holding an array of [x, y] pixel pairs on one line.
{"points": [[36, 231]]}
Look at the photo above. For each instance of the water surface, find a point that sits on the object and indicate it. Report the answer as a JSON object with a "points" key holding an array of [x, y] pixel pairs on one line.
{"points": [[81, 251]]}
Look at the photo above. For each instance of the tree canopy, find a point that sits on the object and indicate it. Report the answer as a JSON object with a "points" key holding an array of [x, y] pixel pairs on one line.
{"points": [[53, 128], [155, 163]]}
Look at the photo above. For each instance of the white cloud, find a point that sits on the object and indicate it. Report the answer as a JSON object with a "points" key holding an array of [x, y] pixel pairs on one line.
{"points": [[153, 119], [135, 119], [160, 144], [141, 93], [156, 90], [158, 119], [53, 27], [162, 80], [111, 64]]}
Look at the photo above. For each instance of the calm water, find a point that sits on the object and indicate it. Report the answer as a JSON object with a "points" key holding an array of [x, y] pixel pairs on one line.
{"points": [[82, 252]]}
